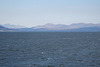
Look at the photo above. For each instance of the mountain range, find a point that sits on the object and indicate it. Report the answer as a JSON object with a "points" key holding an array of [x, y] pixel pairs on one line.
{"points": [[3, 29], [49, 27], [10, 26]]}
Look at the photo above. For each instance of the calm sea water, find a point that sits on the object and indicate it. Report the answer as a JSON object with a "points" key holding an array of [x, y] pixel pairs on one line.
{"points": [[49, 49]]}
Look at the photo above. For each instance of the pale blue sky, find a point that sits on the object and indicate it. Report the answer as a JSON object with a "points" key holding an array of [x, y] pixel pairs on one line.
{"points": [[38, 12]]}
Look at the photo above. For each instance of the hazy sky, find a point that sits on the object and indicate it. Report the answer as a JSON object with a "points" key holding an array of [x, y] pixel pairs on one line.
{"points": [[38, 12]]}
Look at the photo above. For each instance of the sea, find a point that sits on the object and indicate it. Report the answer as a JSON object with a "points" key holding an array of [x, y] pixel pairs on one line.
{"points": [[49, 49]]}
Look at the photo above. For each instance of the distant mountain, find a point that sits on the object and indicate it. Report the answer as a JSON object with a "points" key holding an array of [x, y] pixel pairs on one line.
{"points": [[3, 29], [24, 29], [13, 26], [58, 27], [85, 29], [50, 26], [82, 25], [78, 27]]}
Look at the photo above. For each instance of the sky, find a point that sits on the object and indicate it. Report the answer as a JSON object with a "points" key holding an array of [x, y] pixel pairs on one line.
{"points": [[39, 12]]}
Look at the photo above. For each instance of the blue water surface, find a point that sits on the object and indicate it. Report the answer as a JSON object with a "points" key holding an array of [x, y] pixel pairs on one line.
{"points": [[49, 49]]}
